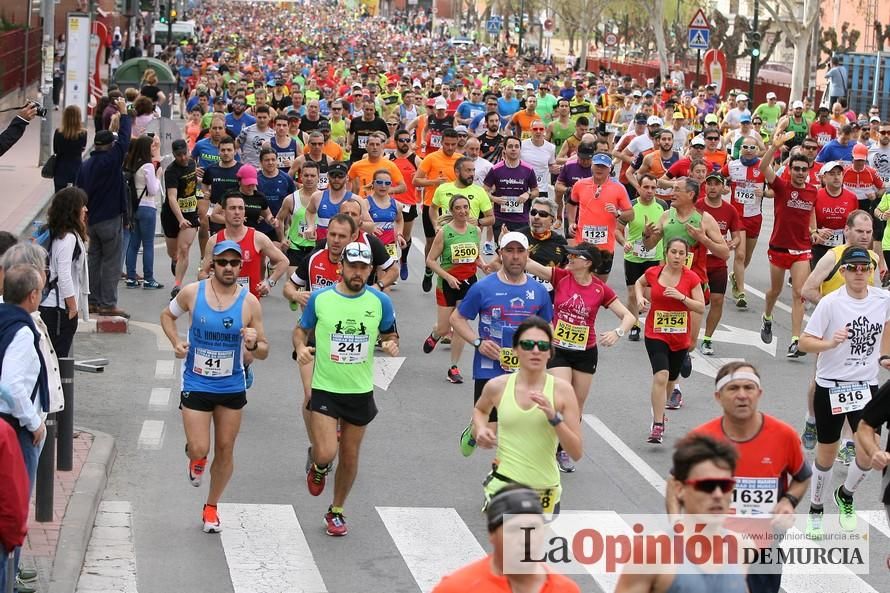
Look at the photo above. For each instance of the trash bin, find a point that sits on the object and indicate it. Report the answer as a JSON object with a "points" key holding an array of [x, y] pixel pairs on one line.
{"points": [[129, 75]]}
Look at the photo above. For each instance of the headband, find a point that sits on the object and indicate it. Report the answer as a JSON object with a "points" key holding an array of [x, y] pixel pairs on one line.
{"points": [[736, 376]]}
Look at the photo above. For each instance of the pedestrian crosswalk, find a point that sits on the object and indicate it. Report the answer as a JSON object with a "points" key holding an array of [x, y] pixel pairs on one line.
{"points": [[267, 550]]}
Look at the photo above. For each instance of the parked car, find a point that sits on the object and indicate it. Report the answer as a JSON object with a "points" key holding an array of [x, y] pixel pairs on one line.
{"points": [[771, 73]]}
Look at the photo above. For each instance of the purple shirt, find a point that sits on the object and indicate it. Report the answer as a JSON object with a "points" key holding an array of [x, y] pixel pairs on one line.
{"points": [[508, 182], [571, 173]]}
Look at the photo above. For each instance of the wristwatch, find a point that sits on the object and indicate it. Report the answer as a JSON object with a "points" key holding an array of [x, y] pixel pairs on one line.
{"points": [[380, 285], [476, 343], [271, 282], [557, 418], [619, 332]]}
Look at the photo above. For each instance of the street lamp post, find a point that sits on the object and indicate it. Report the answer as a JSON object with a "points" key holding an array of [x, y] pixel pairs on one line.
{"points": [[521, 16]]}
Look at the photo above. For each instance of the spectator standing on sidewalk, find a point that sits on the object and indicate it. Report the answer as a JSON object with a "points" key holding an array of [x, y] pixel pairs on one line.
{"points": [[16, 128], [140, 164], [69, 142], [68, 278], [101, 177], [13, 495]]}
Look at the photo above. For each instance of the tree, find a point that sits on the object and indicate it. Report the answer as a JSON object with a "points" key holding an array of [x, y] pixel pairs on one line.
{"points": [[578, 19], [882, 35], [798, 28], [829, 44]]}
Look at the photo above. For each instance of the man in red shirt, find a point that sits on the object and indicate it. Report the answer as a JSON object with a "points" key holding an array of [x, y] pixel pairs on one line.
{"points": [[731, 229], [772, 474], [790, 244], [13, 498], [834, 204], [822, 129], [868, 186], [487, 575]]}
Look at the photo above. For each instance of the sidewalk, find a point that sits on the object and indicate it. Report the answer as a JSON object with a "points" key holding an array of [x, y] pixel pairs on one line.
{"points": [[25, 192], [57, 548]]}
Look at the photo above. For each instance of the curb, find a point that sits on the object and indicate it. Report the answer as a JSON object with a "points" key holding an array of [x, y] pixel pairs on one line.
{"points": [[77, 524]]}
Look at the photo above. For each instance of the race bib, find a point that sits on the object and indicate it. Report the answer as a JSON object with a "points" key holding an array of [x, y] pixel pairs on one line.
{"points": [[509, 360], [244, 281], [362, 142], [836, 238], [512, 206], [670, 322], [570, 336], [598, 235], [755, 496], [349, 348], [436, 140], [392, 250], [613, 129], [464, 253], [849, 397], [640, 250], [745, 195], [539, 177], [690, 257], [549, 498], [213, 363], [187, 205], [322, 181]]}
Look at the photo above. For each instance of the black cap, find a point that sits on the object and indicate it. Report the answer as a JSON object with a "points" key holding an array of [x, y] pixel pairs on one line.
{"points": [[855, 255], [103, 138], [640, 118], [512, 501], [338, 168], [324, 125], [586, 150], [588, 251], [180, 147], [716, 176]]}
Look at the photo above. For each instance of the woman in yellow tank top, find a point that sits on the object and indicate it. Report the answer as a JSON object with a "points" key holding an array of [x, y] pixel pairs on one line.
{"points": [[536, 411]]}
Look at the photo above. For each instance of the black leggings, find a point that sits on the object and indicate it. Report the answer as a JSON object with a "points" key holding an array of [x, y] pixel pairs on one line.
{"points": [[61, 329]]}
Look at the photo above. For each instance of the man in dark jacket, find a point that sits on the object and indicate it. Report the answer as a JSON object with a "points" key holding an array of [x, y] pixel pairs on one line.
{"points": [[101, 177], [16, 128]]}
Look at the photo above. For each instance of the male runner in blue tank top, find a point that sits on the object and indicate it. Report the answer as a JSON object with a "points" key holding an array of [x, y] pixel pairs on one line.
{"points": [[223, 316]]}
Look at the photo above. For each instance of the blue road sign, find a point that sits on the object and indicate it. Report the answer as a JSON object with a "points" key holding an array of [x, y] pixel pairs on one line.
{"points": [[699, 38], [493, 25]]}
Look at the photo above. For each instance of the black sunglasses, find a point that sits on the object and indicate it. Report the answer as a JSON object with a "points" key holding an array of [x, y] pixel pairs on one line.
{"points": [[541, 213], [708, 485], [227, 262], [529, 345]]}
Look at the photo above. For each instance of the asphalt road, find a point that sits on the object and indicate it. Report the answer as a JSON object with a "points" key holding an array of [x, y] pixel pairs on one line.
{"points": [[414, 511]]}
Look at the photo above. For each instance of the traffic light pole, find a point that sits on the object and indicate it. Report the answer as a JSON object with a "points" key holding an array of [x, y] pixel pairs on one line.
{"points": [[169, 22], [521, 18], [755, 53]]}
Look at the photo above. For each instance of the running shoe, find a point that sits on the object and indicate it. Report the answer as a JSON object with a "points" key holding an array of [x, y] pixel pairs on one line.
{"points": [[196, 469], [686, 369], [467, 442], [308, 459], [175, 291], [27, 574], [741, 302], [248, 377], [814, 526], [430, 343], [846, 454], [634, 335], [427, 283], [675, 401], [446, 339], [706, 348], [851, 451], [566, 465], [454, 375], [488, 248], [152, 285], [403, 273], [335, 523], [23, 586], [132, 283], [656, 435], [315, 479], [733, 286], [847, 517], [808, 438], [794, 350], [766, 330], [211, 519]]}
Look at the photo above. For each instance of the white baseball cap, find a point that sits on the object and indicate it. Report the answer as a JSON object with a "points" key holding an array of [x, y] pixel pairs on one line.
{"points": [[513, 237], [797, 105], [441, 103], [769, 95], [654, 120], [829, 166], [741, 97]]}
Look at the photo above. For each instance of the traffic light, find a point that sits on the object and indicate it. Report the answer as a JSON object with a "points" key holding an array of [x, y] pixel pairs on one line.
{"points": [[162, 13], [172, 15], [754, 38]]}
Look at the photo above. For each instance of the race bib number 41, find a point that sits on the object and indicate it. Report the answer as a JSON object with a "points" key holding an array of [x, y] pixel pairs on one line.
{"points": [[213, 363]]}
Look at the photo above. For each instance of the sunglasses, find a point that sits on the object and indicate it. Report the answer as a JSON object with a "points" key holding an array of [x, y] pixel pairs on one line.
{"points": [[749, 147], [712, 138], [814, 146], [757, 123], [392, 124], [529, 345], [800, 169], [222, 263], [382, 182], [539, 213], [537, 129], [363, 252], [859, 268], [405, 139], [336, 174], [885, 132], [708, 485]]}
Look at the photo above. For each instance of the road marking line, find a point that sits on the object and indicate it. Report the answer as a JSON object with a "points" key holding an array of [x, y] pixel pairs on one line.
{"points": [[110, 561], [164, 369], [152, 435], [441, 547], [155, 328], [877, 519], [266, 549], [791, 583], [159, 399]]}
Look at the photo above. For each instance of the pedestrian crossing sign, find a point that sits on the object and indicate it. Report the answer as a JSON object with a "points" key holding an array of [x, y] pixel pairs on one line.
{"points": [[699, 38]]}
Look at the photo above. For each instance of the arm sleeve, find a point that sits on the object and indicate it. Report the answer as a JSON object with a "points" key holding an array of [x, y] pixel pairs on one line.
{"points": [[388, 318], [309, 317], [152, 184], [469, 307], [63, 253], [17, 376], [818, 323], [12, 134]]}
